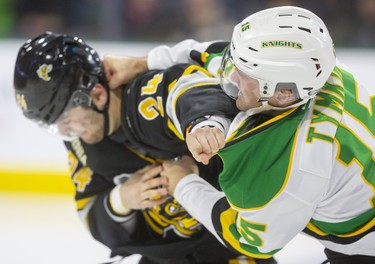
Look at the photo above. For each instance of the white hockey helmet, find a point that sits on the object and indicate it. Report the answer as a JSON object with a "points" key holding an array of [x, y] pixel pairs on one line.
{"points": [[280, 47]]}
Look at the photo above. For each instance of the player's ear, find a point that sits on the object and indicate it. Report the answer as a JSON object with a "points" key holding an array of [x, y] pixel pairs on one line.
{"points": [[99, 96]]}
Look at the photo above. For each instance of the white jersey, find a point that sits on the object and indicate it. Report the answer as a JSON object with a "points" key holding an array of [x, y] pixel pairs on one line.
{"points": [[311, 168], [188, 51]]}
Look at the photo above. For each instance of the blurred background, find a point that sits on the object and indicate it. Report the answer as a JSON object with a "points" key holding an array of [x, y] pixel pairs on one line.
{"points": [[38, 223], [351, 22]]}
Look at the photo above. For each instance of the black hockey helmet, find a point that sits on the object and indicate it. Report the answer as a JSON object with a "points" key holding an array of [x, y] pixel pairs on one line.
{"points": [[52, 71]]}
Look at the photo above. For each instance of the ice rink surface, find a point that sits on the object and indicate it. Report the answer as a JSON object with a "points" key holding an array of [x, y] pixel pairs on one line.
{"points": [[44, 229]]}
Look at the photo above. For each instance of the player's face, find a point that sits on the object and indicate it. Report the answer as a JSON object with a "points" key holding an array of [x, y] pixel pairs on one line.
{"points": [[248, 91], [82, 122]]}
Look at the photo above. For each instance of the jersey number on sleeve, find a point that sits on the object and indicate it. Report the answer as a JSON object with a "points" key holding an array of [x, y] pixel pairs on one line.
{"points": [[81, 177], [248, 232], [151, 107]]}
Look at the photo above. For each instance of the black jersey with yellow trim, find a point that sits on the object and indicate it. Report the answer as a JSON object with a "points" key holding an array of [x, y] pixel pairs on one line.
{"points": [[145, 122], [158, 234], [93, 167]]}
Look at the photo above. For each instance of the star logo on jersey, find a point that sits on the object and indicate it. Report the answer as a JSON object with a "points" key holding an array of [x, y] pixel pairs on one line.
{"points": [[43, 72]]}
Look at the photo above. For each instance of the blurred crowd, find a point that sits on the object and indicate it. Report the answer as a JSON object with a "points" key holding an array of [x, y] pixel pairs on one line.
{"points": [[351, 22]]}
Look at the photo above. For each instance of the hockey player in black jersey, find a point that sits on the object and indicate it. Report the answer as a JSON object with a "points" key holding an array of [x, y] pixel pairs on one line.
{"points": [[112, 137]]}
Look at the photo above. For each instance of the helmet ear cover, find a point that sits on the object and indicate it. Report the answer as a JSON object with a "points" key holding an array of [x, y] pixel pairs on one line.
{"points": [[285, 94]]}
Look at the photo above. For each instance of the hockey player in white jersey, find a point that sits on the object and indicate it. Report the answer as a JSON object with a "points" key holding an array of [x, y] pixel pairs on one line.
{"points": [[300, 156]]}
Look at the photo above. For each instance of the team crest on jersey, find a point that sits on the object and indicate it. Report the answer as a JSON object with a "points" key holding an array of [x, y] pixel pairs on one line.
{"points": [[171, 218], [43, 72]]}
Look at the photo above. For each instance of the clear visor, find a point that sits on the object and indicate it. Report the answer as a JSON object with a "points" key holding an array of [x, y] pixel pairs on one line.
{"points": [[228, 81], [232, 79], [53, 130], [63, 127]]}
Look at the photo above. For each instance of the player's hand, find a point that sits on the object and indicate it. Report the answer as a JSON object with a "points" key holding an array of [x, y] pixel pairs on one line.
{"points": [[177, 169], [122, 69], [205, 142], [144, 189]]}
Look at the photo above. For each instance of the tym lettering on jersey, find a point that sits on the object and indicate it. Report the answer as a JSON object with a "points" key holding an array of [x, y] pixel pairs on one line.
{"points": [[329, 107], [332, 105], [281, 43]]}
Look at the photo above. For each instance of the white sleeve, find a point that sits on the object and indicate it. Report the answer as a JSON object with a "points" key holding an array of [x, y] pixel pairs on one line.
{"points": [[198, 197], [164, 56], [220, 122], [273, 225], [282, 219]]}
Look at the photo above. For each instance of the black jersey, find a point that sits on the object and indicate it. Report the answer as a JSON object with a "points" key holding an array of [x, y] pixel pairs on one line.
{"points": [[158, 107], [166, 232]]}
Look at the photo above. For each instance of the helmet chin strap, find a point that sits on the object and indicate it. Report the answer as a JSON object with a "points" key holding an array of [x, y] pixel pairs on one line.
{"points": [[106, 121], [266, 106], [106, 108]]}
